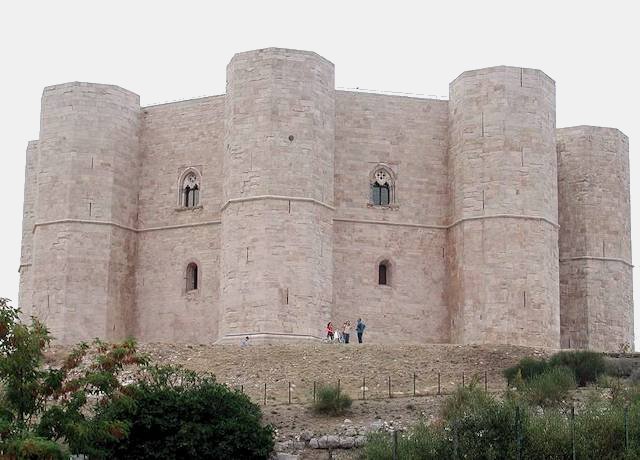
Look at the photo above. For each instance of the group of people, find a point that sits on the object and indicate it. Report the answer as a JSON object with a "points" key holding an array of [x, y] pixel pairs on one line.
{"points": [[342, 335]]}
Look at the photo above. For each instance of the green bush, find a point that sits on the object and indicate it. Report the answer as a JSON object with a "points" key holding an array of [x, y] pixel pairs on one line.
{"points": [[527, 368], [600, 433], [547, 436], [331, 401], [634, 377], [550, 388], [34, 448], [420, 442], [586, 365], [488, 429], [177, 414], [620, 367], [465, 400], [488, 432]]}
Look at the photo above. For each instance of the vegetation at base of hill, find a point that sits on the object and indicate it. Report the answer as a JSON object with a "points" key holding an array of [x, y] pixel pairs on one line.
{"points": [[480, 426], [586, 366], [331, 401], [82, 406], [549, 389], [174, 413], [534, 418]]}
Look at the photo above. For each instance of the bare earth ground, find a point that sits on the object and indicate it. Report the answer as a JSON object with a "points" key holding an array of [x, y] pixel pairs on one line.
{"points": [[298, 366]]}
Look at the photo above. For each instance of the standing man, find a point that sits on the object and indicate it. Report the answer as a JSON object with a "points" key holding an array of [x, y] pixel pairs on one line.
{"points": [[346, 331], [360, 329]]}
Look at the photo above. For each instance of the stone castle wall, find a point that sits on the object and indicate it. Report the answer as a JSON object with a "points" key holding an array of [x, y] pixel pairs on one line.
{"points": [[490, 235], [596, 285], [410, 137], [83, 255], [504, 263], [278, 189], [175, 137]]}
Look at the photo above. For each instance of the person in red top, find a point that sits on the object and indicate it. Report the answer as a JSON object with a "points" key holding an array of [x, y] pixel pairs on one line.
{"points": [[329, 331]]}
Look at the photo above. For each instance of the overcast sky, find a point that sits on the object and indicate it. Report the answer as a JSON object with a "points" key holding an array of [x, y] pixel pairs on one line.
{"points": [[178, 50]]}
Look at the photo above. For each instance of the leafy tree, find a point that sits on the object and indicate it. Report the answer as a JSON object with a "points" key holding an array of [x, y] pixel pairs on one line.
{"points": [[174, 413], [43, 408]]}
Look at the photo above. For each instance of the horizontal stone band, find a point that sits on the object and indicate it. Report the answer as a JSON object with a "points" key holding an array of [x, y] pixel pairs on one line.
{"points": [[448, 226], [337, 219], [124, 227], [604, 259]]}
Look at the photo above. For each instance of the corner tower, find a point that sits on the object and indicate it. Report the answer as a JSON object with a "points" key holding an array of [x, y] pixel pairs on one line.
{"points": [[503, 239], [596, 289], [86, 204], [276, 253]]}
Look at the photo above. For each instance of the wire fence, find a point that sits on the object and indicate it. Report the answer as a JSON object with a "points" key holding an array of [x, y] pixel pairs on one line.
{"points": [[367, 387]]}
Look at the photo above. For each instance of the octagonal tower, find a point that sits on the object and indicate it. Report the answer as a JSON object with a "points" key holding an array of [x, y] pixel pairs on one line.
{"points": [[276, 252], [503, 261], [596, 274], [85, 211]]}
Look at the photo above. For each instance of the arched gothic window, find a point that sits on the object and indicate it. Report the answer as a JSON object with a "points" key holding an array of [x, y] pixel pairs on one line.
{"points": [[192, 277], [384, 273], [190, 190], [382, 187]]}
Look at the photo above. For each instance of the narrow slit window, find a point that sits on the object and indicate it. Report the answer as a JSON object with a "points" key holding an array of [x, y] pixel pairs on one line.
{"points": [[382, 274], [192, 277]]}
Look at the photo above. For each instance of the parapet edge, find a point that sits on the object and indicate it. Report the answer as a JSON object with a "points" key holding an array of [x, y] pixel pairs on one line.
{"points": [[403, 96], [283, 50], [473, 72], [84, 84], [590, 129]]}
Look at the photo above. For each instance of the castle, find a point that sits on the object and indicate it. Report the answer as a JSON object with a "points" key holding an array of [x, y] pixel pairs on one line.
{"points": [[284, 203]]}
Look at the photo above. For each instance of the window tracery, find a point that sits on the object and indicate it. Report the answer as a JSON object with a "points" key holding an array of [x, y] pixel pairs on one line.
{"points": [[382, 186], [190, 189]]}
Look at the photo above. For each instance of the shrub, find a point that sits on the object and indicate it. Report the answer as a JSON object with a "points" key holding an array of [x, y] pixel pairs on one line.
{"points": [[331, 401], [465, 400], [547, 436], [635, 376], [488, 431], [172, 413], [33, 447], [420, 442], [549, 388], [619, 367], [600, 432], [527, 368], [586, 365]]}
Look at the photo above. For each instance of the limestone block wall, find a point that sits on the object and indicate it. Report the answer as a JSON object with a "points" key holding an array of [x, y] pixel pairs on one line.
{"points": [[596, 292], [176, 137], [503, 263], [25, 300], [276, 253], [83, 243], [409, 136], [286, 235]]}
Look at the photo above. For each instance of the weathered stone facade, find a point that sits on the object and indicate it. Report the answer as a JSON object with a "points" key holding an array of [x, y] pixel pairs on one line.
{"points": [[498, 228]]}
